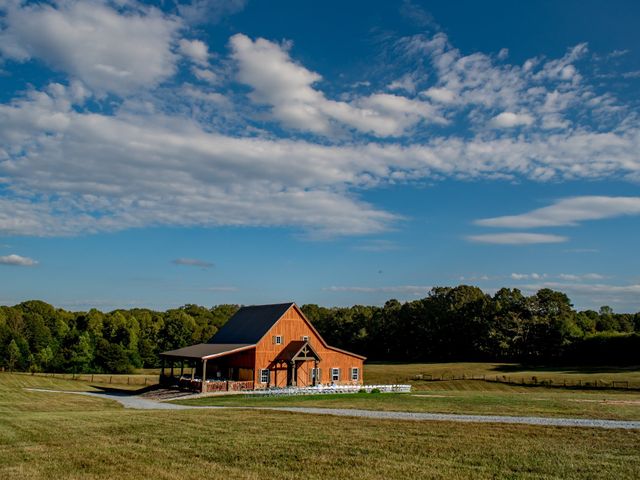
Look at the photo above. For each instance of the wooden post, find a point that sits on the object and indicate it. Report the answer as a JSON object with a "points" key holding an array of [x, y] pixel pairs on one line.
{"points": [[315, 372], [181, 367], [204, 375], [162, 370], [172, 368], [193, 372]]}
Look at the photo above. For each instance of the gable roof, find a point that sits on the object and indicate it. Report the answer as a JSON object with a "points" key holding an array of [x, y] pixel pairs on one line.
{"points": [[250, 324]]}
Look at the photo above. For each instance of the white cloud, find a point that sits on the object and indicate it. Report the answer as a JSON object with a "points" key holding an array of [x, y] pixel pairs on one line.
{"points": [[526, 276], [510, 119], [108, 50], [192, 262], [402, 289], [441, 95], [86, 172], [572, 277], [196, 50], [406, 83], [593, 295], [287, 88], [516, 238], [205, 74], [17, 260], [569, 211]]}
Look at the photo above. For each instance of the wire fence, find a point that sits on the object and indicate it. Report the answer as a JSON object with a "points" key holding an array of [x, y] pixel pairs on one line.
{"points": [[104, 378], [535, 381]]}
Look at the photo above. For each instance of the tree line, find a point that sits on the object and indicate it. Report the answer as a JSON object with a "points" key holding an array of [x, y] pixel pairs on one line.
{"points": [[449, 324]]}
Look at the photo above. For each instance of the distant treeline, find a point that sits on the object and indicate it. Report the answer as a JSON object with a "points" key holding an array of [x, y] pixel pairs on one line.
{"points": [[460, 323]]}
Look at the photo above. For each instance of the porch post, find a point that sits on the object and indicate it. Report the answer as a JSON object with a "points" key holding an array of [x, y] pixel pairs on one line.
{"points": [[161, 370], [204, 375], [181, 367], [193, 372], [171, 368], [315, 372]]}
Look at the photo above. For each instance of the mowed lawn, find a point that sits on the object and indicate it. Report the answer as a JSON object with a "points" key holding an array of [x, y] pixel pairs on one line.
{"points": [[407, 373], [470, 396], [54, 435]]}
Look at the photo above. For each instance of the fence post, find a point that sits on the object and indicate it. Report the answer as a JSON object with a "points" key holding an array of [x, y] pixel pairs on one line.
{"points": [[110, 378]]}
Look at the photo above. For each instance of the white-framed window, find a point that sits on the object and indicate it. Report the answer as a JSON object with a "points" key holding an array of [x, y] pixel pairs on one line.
{"points": [[277, 339], [335, 374], [355, 373], [305, 338], [264, 376]]}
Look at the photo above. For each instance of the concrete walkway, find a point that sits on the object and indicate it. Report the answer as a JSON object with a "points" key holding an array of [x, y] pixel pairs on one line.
{"points": [[135, 402]]}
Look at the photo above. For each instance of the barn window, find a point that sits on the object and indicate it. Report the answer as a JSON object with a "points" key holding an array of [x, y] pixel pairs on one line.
{"points": [[264, 376], [335, 374], [355, 373], [305, 338], [277, 339]]}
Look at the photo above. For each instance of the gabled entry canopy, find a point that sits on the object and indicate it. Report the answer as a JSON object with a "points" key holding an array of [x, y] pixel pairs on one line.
{"points": [[298, 350]]}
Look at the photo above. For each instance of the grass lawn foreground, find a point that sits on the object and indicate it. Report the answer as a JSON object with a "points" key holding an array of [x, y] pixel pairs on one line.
{"points": [[50, 435]]}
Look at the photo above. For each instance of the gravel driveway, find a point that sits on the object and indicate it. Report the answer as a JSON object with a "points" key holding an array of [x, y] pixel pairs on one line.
{"points": [[135, 402]]}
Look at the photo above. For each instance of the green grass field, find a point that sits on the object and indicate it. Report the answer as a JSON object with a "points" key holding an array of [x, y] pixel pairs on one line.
{"points": [[406, 373], [52, 435], [615, 406]]}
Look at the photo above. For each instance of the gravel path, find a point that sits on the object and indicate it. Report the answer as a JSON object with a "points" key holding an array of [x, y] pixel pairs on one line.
{"points": [[132, 401]]}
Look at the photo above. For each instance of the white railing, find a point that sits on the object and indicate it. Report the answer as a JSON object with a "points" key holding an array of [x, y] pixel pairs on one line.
{"points": [[322, 389]]}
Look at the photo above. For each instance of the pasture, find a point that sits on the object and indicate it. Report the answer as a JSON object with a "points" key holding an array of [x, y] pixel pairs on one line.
{"points": [[54, 435]]}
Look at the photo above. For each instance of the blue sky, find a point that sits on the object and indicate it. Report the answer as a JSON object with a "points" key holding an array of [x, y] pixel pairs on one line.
{"points": [[171, 152]]}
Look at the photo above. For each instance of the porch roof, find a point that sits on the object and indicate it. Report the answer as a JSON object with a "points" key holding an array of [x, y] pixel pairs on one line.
{"points": [[203, 351]]}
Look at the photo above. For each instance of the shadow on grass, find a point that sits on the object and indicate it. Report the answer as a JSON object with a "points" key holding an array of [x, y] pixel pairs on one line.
{"points": [[125, 391]]}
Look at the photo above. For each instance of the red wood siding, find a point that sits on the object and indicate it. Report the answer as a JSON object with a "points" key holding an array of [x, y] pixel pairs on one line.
{"points": [[292, 326]]}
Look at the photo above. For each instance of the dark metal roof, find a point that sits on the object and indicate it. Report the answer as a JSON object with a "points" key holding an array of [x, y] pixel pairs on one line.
{"points": [[206, 350], [250, 324]]}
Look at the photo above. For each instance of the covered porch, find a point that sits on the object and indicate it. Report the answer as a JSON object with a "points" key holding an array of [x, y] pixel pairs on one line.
{"points": [[298, 363], [209, 367]]}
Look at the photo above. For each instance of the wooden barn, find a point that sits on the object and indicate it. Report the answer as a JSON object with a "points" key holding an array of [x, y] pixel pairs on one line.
{"points": [[260, 347]]}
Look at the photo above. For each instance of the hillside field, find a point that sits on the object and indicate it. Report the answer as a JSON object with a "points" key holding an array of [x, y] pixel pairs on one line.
{"points": [[54, 435]]}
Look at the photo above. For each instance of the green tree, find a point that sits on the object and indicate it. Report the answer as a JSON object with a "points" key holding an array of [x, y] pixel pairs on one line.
{"points": [[14, 356]]}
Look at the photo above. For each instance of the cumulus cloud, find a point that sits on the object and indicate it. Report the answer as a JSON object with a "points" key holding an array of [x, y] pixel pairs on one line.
{"points": [[192, 262], [510, 119], [287, 87], [516, 238], [569, 212], [67, 169], [17, 260], [107, 49], [195, 50]]}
